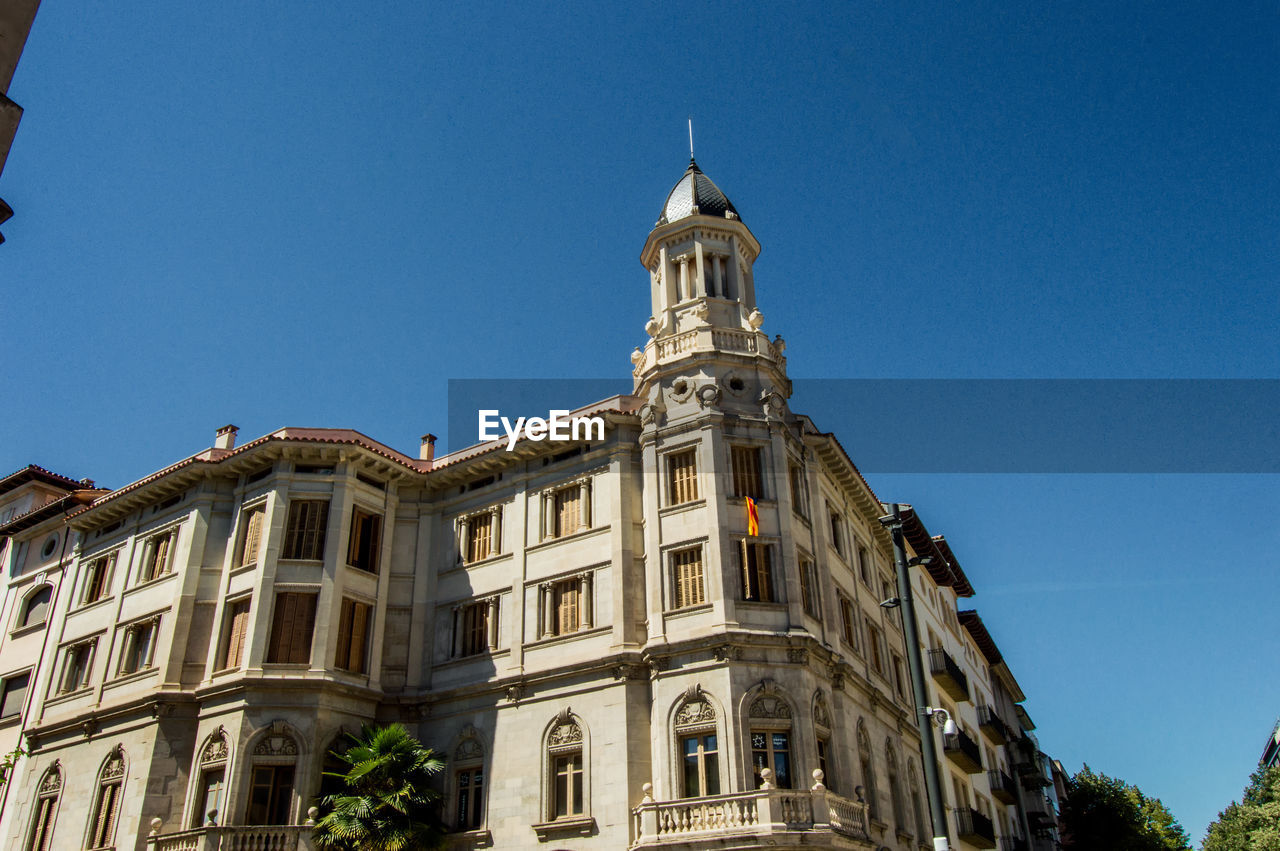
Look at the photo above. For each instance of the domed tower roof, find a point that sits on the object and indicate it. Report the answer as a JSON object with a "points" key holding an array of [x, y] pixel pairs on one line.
{"points": [[695, 195]]}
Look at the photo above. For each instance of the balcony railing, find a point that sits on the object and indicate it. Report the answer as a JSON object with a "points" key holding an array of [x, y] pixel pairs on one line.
{"points": [[975, 828], [992, 725], [714, 818], [275, 837], [1003, 788], [963, 751], [948, 674], [1013, 843]]}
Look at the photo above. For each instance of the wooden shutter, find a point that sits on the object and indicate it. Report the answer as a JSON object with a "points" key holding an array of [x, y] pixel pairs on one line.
{"points": [[689, 588], [684, 478], [806, 592], [479, 537], [104, 819], [239, 626], [567, 507], [567, 608], [252, 536], [291, 629], [359, 628], [342, 659], [746, 472], [304, 537]]}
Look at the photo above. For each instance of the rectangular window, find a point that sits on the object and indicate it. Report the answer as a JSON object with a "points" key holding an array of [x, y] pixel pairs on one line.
{"points": [[233, 641], [809, 588], [270, 794], [353, 631], [747, 479], [837, 530], [771, 749], [304, 532], [251, 535], [480, 536], [470, 798], [682, 476], [475, 628], [567, 785], [78, 666], [899, 680], [13, 694], [104, 817], [755, 560], [848, 621], [42, 830], [566, 511], [212, 788], [701, 765], [157, 558], [292, 624], [864, 566], [366, 540], [799, 492], [566, 601], [873, 639], [824, 757], [686, 569], [97, 578], [138, 649]]}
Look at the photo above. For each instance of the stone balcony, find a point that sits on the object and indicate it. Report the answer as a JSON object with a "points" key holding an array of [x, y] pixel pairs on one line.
{"points": [[705, 339], [267, 837], [779, 818]]}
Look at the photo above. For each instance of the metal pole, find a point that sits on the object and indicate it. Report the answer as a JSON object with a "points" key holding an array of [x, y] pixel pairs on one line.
{"points": [[915, 662]]}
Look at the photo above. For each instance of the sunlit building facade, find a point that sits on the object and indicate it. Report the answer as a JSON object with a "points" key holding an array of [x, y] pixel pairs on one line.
{"points": [[607, 648]]}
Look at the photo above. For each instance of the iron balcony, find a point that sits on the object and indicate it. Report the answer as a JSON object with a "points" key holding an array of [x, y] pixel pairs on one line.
{"points": [[992, 725], [975, 828], [963, 751], [1003, 788], [948, 674]]}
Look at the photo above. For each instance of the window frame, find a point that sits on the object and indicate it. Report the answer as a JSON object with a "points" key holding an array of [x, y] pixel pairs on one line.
{"points": [[690, 581], [286, 642], [475, 627], [682, 480], [747, 476], [129, 633], [5, 692], [70, 654], [305, 536], [44, 815], [24, 608], [159, 553], [753, 575], [227, 643], [355, 623], [98, 577], [364, 540], [104, 818], [250, 537]]}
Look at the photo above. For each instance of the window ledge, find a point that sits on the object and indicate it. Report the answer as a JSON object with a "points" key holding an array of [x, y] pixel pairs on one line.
{"points": [[572, 536], [122, 679], [675, 614], [762, 604], [486, 560], [471, 839], [10, 720], [150, 582], [29, 629], [500, 653], [580, 825], [568, 636], [681, 507], [313, 562], [68, 696], [86, 606], [244, 568]]}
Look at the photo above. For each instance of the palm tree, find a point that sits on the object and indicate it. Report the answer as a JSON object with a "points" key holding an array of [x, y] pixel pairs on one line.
{"points": [[385, 801]]}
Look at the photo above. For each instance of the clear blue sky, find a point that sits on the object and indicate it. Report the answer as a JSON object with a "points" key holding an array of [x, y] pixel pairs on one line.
{"points": [[316, 214]]}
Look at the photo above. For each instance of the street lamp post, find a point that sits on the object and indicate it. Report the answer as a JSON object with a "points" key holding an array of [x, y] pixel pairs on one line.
{"points": [[925, 713]]}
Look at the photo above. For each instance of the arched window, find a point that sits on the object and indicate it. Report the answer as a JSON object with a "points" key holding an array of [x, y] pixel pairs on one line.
{"points": [[469, 781], [35, 608], [695, 729], [895, 790], [567, 788], [822, 733], [868, 771], [917, 811], [210, 793], [271, 777], [106, 806], [770, 720], [45, 810]]}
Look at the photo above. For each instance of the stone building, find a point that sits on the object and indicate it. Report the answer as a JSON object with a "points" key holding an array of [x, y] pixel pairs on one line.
{"points": [[608, 649]]}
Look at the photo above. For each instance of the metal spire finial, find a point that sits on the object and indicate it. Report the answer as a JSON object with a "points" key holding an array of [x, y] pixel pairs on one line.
{"points": [[691, 137]]}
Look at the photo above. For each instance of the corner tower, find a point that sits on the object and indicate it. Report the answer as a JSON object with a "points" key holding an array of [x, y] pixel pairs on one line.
{"points": [[705, 332]]}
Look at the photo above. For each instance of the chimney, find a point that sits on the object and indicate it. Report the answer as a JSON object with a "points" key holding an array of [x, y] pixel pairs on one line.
{"points": [[427, 452], [226, 437]]}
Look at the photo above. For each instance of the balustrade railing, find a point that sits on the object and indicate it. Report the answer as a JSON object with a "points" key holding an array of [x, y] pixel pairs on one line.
{"points": [[275, 837]]}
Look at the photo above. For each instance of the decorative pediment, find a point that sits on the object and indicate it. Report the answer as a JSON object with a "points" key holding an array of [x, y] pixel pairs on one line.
{"points": [[51, 783], [820, 715], [770, 706], [114, 766], [276, 743], [697, 712], [565, 735], [215, 747]]}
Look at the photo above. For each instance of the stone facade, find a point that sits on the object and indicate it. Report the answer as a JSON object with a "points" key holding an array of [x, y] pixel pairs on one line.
{"points": [[590, 631]]}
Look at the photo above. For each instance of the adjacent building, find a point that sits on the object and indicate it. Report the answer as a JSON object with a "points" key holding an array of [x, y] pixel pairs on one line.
{"points": [[667, 636]]}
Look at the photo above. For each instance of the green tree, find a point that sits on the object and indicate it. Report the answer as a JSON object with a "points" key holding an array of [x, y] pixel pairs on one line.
{"points": [[1104, 813], [1254, 823], [385, 800]]}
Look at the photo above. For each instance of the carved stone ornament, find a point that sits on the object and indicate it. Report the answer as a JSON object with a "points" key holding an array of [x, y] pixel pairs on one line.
{"points": [[797, 655], [768, 706], [653, 326], [565, 734], [215, 748], [114, 767], [708, 395], [515, 692], [772, 403], [755, 320], [468, 748], [51, 784], [695, 712], [820, 715], [681, 389], [276, 744]]}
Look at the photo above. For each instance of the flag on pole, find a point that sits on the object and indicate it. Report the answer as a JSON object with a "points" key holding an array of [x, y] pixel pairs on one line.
{"points": [[753, 518]]}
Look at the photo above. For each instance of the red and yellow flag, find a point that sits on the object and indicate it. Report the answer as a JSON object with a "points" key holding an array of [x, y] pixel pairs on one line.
{"points": [[753, 518]]}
